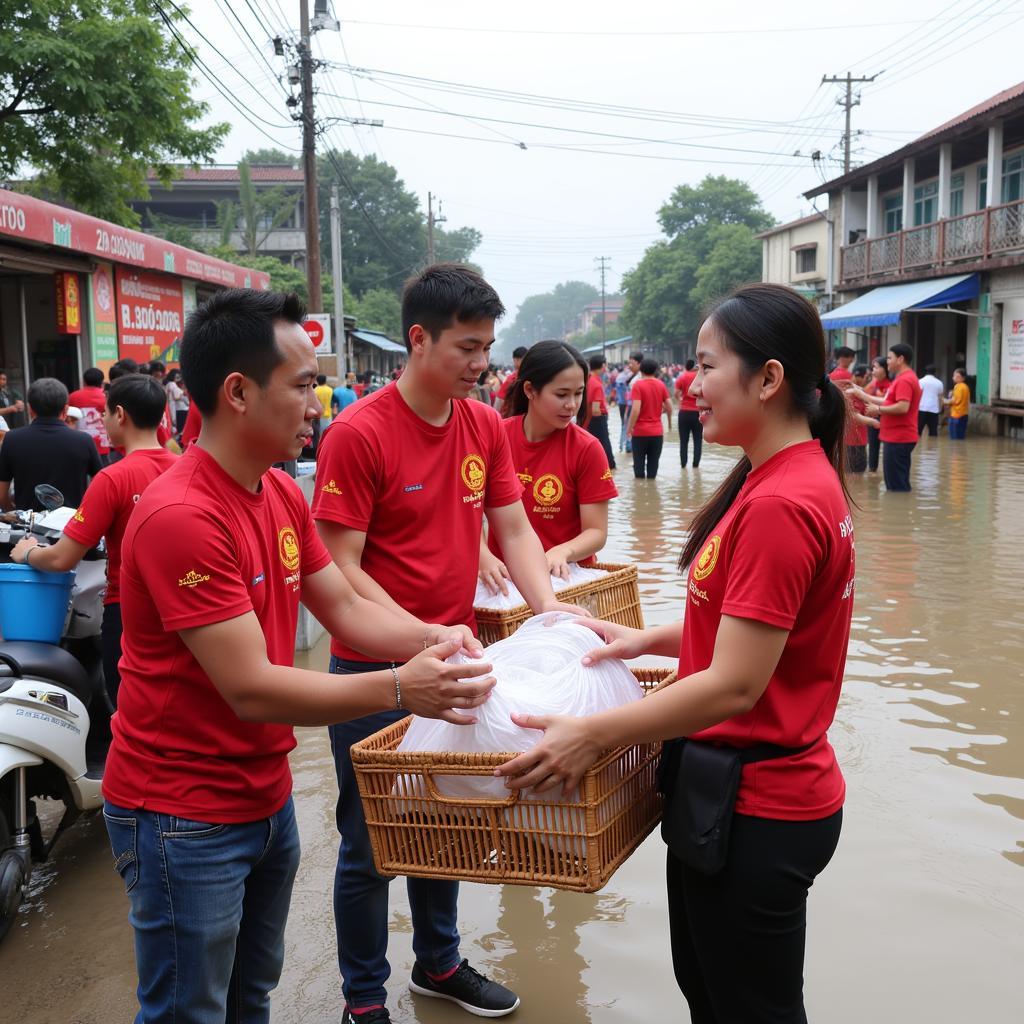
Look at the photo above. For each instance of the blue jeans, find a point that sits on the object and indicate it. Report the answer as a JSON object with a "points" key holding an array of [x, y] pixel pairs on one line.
{"points": [[361, 893], [957, 428], [208, 904]]}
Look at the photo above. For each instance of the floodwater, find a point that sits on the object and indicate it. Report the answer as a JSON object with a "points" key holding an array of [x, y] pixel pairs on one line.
{"points": [[920, 916]]}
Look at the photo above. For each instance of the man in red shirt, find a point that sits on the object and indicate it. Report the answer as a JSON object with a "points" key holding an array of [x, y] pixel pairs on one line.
{"points": [[844, 360], [134, 406], [91, 399], [689, 417], [508, 383], [402, 485], [898, 416], [217, 555], [649, 398], [597, 408]]}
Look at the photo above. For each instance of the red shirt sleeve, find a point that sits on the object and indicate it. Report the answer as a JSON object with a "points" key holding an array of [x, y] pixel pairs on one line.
{"points": [[593, 477], [96, 514], [193, 584], [775, 551], [901, 391], [346, 478], [503, 486]]}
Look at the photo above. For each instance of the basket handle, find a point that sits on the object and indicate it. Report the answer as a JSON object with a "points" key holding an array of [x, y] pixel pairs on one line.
{"points": [[462, 801]]}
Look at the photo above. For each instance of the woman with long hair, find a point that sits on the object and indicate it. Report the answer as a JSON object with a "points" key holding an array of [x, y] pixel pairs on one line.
{"points": [[753, 792], [564, 469]]}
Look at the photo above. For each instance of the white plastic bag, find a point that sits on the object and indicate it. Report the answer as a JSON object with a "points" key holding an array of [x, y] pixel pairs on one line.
{"points": [[500, 602]]}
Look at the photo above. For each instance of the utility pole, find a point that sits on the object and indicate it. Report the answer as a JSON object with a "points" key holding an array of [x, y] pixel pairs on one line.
{"points": [[848, 103], [602, 262], [339, 296], [431, 222], [316, 297]]}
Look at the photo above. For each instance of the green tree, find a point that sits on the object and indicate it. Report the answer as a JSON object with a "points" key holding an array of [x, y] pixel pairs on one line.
{"points": [[94, 93], [269, 156], [548, 315], [379, 309], [710, 248]]}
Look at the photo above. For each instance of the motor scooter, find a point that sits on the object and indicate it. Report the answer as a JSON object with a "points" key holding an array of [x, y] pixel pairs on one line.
{"points": [[54, 711]]}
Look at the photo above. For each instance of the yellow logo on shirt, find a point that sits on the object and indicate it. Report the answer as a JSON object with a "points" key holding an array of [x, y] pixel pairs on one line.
{"points": [[288, 548], [547, 490], [192, 579], [707, 559], [331, 488], [606, 475], [78, 517], [474, 474]]}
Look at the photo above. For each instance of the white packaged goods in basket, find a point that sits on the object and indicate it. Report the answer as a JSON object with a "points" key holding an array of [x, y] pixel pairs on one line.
{"points": [[500, 602], [539, 672]]}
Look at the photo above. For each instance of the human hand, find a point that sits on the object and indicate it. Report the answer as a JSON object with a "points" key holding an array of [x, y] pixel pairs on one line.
{"points": [[19, 405], [619, 641], [19, 553], [558, 561], [463, 635], [433, 689], [493, 573], [559, 759], [567, 609]]}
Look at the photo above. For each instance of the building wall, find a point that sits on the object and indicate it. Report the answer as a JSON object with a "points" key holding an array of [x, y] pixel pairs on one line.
{"points": [[780, 261]]}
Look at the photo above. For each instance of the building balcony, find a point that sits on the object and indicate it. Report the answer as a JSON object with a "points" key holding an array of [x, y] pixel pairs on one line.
{"points": [[286, 240], [973, 241]]}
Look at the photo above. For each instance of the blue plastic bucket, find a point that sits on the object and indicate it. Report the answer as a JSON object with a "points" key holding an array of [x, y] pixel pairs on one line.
{"points": [[33, 604]]}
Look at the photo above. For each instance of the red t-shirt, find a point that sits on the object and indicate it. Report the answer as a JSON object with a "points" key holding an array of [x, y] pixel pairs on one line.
{"points": [[903, 428], [418, 493], [506, 385], [201, 549], [688, 403], [651, 394], [567, 469], [92, 402], [110, 500], [841, 373], [783, 555], [595, 393], [856, 433], [193, 424]]}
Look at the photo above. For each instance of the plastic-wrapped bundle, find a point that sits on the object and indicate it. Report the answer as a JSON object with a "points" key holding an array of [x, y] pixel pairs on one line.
{"points": [[500, 602]]}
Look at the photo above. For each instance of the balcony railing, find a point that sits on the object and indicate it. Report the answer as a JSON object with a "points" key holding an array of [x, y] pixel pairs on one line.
{"points": [[966, 239]]}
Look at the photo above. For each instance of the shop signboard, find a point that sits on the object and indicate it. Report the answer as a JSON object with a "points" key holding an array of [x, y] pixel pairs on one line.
{"points": [[69, 303], [1011, 377], [150, 315], [318, 327], [104, 318], [35, 220]]}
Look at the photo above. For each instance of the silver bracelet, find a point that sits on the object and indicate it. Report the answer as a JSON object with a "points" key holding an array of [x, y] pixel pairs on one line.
{"points": [[398, 688], [27, 553]]}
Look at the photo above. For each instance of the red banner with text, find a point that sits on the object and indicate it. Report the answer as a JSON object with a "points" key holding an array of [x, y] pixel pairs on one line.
{"points": [[150, 315]]}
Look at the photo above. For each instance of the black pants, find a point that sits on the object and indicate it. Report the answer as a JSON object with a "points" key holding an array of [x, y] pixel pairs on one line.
{"points": [[738, 937], [598, 426], [646, 453], [689, 423], [929, 420], [874, 448], [110, 647], [896, 464], [856, 458]]}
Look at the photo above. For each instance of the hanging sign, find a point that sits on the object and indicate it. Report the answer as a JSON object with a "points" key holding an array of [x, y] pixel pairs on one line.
{"points": [[69, 304], [318, 327]]}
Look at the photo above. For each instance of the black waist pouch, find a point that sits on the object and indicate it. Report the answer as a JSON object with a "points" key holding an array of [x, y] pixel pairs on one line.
{"points": [[699, 782]]}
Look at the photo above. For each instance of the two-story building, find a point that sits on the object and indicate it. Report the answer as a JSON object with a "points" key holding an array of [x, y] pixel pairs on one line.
{"points": [[929, 250], [194, 199], [798, 254]]}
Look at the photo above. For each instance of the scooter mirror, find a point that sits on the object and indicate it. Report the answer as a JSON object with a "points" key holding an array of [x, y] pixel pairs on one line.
{"points": [[49, 497]]}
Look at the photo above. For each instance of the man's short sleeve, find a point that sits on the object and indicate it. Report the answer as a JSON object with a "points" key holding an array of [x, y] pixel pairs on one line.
{"points": [[197, 583], [503, 485], [902, 390], [593, 478], [775, 551], [95, 514], [346, 477]]}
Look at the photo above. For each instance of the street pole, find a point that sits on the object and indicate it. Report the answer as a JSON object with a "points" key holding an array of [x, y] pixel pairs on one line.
{"points": [[848, 103], [316, 298], [339, 295], [602, 262], [430, 228]]}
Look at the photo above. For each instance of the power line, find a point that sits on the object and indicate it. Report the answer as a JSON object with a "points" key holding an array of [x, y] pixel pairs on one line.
{"points": [[259, 50]]}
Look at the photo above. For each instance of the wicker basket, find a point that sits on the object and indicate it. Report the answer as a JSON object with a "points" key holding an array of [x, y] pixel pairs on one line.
{"points": [[615, 597], [546, 840]]}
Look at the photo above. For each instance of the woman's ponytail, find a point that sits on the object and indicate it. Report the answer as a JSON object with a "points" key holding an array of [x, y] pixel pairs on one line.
{"points": [[828, 425]]}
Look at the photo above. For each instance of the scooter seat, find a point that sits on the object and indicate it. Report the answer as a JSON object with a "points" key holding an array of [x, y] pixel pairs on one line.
{"points": [[49, 663]]}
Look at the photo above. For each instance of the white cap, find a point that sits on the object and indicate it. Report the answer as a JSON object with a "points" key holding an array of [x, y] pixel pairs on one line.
{"points": [[73, 413]]}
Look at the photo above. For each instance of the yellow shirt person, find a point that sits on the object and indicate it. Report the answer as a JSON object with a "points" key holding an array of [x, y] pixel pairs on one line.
{"points": [[959, 406]]}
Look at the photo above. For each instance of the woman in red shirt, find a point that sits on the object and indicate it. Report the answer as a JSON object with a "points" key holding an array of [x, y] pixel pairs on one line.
{"points": [[689, 418], [650, 399], [770, 578], [877, 386], [564, 469]]}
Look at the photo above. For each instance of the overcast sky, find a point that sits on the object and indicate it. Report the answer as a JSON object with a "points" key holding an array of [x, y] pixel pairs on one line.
{"points": [[729, 88]]}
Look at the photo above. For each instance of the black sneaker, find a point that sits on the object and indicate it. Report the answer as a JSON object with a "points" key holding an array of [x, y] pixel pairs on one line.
{"points": [[468, 988], [378, 1016]]}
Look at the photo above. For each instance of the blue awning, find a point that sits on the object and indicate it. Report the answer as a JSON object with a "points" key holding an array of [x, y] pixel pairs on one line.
{"points": [[881, 307], [381, 341]]}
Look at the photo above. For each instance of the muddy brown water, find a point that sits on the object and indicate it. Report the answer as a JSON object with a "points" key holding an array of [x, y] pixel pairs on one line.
{"points": [[920, 916]]}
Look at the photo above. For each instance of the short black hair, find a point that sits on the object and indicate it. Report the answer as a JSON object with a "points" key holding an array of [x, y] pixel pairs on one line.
{"points": [[233, 331], [121, 367], [47, 396], [321, 378], [445, 292], [93, 377], [691, 364], [597, 361], [156, 366], [648, 366], [845, 352], [142, 398], [930, 368], [903, 350], [518, 353], [638, 356], [860, 369]]}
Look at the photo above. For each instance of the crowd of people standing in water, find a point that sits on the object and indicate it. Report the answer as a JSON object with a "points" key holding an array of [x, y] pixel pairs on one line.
{"points": [[417, 494]]}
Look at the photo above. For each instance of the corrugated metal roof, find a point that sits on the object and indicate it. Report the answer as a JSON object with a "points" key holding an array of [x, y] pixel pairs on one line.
{"points": [[1000, 99]]}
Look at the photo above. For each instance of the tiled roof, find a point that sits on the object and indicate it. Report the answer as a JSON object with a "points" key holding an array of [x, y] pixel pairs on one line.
{"points": [[274, 173]]}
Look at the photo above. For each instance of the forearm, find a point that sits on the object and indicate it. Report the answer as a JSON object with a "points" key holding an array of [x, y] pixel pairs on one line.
{"points": [[588, 543], [52, 558], [634, 415], [373, 629], [366, 586], [528, 567]]}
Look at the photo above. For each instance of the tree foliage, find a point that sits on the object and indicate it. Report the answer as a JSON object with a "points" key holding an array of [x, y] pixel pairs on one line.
{"points": [[710, 248], [384, 231], [548, 315], [94, 93]]}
